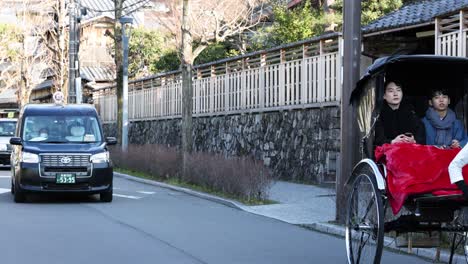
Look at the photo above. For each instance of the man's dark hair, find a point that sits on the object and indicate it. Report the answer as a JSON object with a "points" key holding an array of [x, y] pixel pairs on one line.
{"points": [[438, 91], [397, 83]]}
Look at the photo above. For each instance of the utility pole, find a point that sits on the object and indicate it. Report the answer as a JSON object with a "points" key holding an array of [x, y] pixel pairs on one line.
{"points": [[72, 51], [79, 92], [351, 63], [125, 23], [74, 79]]}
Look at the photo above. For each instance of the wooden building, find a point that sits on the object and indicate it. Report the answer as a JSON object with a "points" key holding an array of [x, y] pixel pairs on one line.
{"points": [[422, 27]]}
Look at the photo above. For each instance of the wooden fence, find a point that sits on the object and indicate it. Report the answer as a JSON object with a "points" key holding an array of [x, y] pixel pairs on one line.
{"points": [[451, 35], [299, 75]]}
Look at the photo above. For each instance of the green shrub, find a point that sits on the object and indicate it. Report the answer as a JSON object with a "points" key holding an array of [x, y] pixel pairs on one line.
{"points": [[240, 177]]}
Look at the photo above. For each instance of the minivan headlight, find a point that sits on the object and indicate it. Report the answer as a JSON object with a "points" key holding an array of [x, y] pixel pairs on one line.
{"points": [[30, 157], [3, 147], [100, 157]]}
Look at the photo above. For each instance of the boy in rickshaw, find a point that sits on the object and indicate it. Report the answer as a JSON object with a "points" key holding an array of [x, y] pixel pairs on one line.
{"points": [[397, 122], [441, 124]]}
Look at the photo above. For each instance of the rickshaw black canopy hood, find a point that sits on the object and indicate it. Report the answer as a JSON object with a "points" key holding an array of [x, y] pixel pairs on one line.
{"points": [[420, 65]]}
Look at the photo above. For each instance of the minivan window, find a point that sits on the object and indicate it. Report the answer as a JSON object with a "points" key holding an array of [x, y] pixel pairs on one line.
{"points": [[7, 128], [61, 129]]}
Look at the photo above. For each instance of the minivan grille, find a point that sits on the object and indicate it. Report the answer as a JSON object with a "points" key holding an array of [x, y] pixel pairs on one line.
{"points": [[70, 160], [51, 164]]}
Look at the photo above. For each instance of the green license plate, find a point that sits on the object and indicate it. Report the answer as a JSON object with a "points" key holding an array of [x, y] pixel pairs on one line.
{"points": [[65, 178]]}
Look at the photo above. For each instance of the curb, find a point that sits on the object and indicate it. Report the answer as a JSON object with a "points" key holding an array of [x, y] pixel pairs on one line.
{"points": [[210, 197], [389, 243]]}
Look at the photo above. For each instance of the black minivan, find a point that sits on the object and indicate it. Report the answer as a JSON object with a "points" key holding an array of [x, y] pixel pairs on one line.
{"points": [[60, 148]]}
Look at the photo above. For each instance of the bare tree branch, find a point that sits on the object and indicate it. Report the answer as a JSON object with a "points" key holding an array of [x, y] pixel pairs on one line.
{"points": [[42, 47], [200, 48], [213, 20]]}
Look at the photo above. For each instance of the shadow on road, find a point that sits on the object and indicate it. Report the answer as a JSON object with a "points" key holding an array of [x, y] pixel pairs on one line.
{"points": [[51, 198]]}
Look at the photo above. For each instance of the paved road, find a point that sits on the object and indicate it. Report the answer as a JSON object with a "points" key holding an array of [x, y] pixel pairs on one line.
{"points": [[147, 224]]}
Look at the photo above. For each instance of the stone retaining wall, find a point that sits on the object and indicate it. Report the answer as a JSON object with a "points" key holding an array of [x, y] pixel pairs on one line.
{"points": [[298, 145]]}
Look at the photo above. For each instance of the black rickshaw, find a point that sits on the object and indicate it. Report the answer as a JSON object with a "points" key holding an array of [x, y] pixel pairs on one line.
{"points": [[368, 216]]}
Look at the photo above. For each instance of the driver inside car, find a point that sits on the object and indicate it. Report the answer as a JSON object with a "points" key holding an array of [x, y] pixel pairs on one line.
{"points": [[43, 135], [77, 132]]}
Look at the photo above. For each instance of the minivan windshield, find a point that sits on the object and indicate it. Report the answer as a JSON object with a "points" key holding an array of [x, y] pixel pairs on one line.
{"points": [[61, 129], [7, 128]]}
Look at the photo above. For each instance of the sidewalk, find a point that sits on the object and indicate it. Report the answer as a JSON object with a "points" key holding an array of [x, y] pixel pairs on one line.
{"points": [[298, 204]]}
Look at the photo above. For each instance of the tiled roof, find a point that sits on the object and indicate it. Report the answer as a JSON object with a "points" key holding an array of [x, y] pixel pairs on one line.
{"points": [[105, 8], [44, 85], [97, 74], [97, 86], [416, 13]]}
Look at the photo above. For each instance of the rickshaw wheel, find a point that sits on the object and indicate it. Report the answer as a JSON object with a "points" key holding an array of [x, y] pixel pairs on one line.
{"points": [[364, 220], [465, 245]]}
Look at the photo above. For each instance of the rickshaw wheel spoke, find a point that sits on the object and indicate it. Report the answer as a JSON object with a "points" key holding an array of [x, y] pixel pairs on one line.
{"points": [[362, 245], [464, 243], [364, 220]]}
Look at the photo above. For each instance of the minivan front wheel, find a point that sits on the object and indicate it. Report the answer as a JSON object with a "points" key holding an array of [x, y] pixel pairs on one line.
{"points": [[106, 196], [19, 195]]}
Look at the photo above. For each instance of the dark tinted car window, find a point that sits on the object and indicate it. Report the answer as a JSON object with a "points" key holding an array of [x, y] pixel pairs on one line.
{"points": [[7, 128], [58, 129]]}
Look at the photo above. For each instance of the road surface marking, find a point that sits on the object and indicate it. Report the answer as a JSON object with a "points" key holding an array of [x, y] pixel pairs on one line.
{"points": [[3, 190], [145, 192], [5, 176], [127, 196]]}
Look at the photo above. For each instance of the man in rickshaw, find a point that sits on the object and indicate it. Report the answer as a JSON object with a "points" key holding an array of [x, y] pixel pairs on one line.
{"points": [[397, 122], [442, 127]]}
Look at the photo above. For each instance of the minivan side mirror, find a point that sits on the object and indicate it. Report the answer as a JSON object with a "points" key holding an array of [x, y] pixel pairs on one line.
{"points": [[111, 141], [16, 141]]}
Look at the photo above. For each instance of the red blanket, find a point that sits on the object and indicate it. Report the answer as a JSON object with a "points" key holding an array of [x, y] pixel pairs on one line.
{"points": [[416, 169]]}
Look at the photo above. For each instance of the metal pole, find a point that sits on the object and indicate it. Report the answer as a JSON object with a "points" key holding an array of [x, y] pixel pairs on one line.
{"points": [[125, 91], [351, 62], [72, 52], [79, 91]]}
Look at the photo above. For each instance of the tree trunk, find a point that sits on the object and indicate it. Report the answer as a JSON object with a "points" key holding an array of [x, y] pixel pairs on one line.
{"points": [[118, 65], [187, 92], [329, 11]]}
